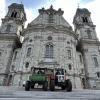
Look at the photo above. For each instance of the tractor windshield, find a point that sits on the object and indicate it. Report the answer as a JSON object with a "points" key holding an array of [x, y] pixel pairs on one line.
{"points": [[59, 72], [38, 71]]}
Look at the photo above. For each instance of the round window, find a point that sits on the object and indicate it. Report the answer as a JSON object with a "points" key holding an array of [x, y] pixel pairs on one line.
{"points": [[49, 38]]}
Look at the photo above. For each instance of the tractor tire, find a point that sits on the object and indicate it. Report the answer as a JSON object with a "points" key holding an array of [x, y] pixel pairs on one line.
{"points": [[27, 86], [63, 87], [52, 85], [45, 86], [32, 86], [68, 86]]}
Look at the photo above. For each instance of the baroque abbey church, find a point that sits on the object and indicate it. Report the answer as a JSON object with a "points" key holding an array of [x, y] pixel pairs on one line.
{"points": [[49, 41]]}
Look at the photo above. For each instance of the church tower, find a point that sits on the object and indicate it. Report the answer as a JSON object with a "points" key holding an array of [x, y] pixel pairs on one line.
{"points": [[83, 25], [10, 32], [14, 20], [88, 45]]}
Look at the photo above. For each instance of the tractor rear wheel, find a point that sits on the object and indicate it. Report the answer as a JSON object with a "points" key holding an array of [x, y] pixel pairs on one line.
{"points": [[27, 86], [68, 86], [52, 85], [32, 86], [45, 86]]}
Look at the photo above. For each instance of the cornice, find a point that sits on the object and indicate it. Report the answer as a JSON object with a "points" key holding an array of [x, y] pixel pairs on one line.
{"points": [[90, 42], [8, 36], [55, 29]]}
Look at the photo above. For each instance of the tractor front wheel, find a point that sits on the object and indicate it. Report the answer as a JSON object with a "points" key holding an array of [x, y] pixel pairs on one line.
{"points": [[27, 86], [32, 86], [68, 86], [52, 85], [45, 86]]}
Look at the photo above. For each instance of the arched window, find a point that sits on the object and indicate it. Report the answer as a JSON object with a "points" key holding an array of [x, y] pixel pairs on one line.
{"points": [[89, 34], [85, 19], [83, 83], [49, 51], [13, 67], [15, 55], [95, 61], [80, 56], [49, 38], [69, 54], [28, 52], [14, 14], [0, 54]]}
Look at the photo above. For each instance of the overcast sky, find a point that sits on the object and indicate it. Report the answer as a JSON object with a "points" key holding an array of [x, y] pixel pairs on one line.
{"points": [[68, 6]]}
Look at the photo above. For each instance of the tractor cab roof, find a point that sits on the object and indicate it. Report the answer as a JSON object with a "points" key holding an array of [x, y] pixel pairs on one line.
{"points": [[42, 68], [59, 69]]}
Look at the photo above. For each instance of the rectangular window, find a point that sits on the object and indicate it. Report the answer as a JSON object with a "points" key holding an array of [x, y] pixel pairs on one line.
{"points": [[82, 71], [70, 67], [95, 62], [8, 28], [69, 54], [0, 54], [89, 34], [80, 56], [15, 55], [28, 52], [27, 65], [50, 18]]}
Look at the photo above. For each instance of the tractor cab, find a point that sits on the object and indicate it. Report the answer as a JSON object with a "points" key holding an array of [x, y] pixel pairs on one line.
{"points": [[59, 75], [62, 80], [37, 76], [38, 71], [60, 71]]}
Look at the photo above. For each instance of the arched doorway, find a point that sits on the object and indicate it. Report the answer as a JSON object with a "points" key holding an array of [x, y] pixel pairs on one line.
{"points": [[83, 83], [9, 80]]}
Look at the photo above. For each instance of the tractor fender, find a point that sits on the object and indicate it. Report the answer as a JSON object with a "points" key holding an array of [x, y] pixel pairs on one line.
{"points": [[66, 77], [68, 85], [52, 78], [28, 82]]}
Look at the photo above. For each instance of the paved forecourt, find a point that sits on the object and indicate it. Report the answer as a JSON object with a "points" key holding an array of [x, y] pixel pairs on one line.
{"points": [[18, 93]]}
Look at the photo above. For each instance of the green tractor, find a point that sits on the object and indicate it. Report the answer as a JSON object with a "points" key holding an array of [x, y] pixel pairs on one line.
{"points": [[38, 77]]}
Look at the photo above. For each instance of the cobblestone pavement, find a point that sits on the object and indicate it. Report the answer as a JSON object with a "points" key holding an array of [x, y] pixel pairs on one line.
{"points": [[18, 93]]}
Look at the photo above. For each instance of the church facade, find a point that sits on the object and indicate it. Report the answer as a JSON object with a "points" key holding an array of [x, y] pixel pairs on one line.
{"points": [[49, 41]]}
